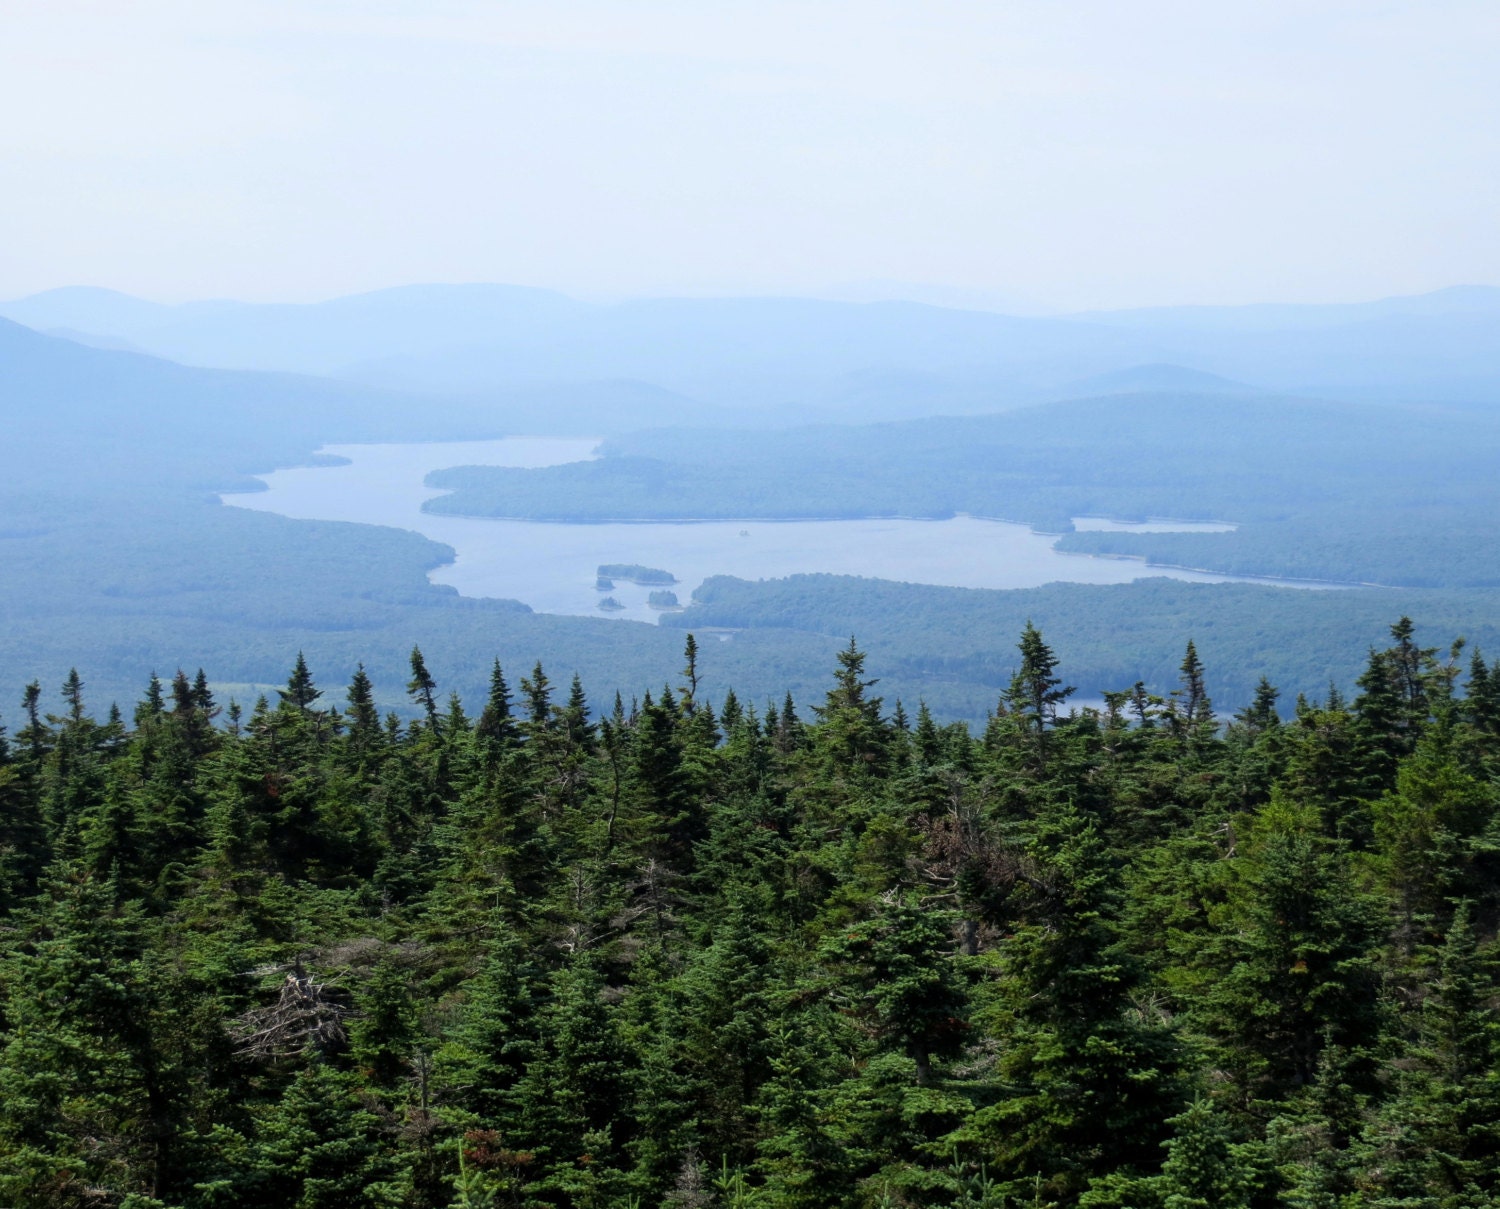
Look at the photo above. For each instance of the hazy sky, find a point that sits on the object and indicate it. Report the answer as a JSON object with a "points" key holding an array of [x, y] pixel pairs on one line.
{"points": [[1059, 152]]}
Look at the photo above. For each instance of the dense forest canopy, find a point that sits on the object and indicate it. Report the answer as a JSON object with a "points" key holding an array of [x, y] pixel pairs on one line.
{"points": [[534, 950]]}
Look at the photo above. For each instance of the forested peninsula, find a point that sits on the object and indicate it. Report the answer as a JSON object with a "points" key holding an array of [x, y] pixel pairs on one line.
{"points": [[534, 952]]}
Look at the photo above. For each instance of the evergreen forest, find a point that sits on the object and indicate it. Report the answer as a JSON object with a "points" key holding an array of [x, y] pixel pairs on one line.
{"points": [[544, 951]]}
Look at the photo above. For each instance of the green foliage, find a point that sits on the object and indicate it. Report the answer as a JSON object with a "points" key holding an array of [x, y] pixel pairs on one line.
{"points": [[1124, 957]]}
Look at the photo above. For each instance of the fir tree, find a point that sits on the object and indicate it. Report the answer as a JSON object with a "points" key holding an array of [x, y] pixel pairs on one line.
{"points": [[300, 692]]}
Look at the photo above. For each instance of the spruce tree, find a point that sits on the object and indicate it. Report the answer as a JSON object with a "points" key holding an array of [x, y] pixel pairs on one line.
{"points": [[898, 964], [422, 689], [364, 717], [1296, 960], [495, 726], [300, 692], [1036, 692], [1203, 1170]]}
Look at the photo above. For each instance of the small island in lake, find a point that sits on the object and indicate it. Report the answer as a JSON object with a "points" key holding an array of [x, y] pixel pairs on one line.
{"points": [[610, 605], [663, 598], [604, 584], [636, 573]]}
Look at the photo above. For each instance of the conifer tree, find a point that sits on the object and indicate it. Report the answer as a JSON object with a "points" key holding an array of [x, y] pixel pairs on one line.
{"points": [[570, 1100], [300, 692], [853, 740], [538, 693], [1035, 692], [928, 745], [72, 693], [1089, 1083], [90, 1081], [1195, 718], [665, 956], [690, 668], [152, 705], [1203, 1170], [422, 689], [801, 1160], [495, 725], [1260, 715], [386, 1030], [318, 1147], [783, 726], [1297, 962], [731, 712], [203, 696], [364, 718], [898, 963], [1483, 696]]}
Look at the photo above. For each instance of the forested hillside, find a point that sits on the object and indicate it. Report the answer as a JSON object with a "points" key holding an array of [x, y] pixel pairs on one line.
{"points": [[541, 951], [1399, 496], [119, 558]]}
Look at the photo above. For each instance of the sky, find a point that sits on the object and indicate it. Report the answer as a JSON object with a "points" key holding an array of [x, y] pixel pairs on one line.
{"points": [[1023, 154]]}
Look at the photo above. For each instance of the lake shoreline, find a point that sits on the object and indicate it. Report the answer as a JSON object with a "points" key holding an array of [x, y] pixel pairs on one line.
{"points": [[551, 565]]}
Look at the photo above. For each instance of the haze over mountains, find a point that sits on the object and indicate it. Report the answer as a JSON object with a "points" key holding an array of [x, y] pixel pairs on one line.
{"points": [[122, 556], [789, 359]]}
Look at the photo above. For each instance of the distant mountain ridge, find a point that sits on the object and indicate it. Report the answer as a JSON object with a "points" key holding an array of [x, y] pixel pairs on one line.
{"points": [[1139, 379], [802, 358]]}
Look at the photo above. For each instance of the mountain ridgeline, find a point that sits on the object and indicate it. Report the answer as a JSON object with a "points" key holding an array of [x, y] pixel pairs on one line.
{"points": [[820, 954], [120, 558], [797, 358]]}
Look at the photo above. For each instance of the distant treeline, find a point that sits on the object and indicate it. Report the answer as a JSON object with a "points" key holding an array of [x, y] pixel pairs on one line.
{"points": [[636, 573]]}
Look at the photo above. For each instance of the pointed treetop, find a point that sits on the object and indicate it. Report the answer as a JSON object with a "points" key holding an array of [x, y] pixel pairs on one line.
{"points": [[495, 720], [151, 707], [538, 693], [926, 735], [1196, 706], [456, 721], [182, 695], [203, 697], [73, 694], [690, 668], [361, 711], [1261, 713], [31, 700], [732, 712], [849, 684], [300, 692], [422, 688], [1035, 691]]}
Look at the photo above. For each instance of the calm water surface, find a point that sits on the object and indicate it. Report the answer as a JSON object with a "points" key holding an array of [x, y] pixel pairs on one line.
{"points": [[552, 567]]}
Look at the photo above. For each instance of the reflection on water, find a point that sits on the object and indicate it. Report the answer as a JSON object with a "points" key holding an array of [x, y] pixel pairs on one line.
{"points": [[552, 567]]}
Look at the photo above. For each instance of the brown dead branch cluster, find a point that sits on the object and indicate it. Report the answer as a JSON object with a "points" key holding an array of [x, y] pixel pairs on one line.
{"points": [[304, 1014]]}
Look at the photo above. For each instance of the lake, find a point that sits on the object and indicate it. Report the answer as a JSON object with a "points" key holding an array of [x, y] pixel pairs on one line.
{"points": [[552, 567]]}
